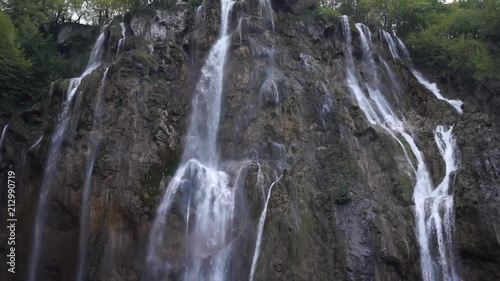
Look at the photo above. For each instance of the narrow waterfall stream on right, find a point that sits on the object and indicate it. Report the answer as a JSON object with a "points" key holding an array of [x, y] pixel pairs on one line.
{"points": [[433, 205]]}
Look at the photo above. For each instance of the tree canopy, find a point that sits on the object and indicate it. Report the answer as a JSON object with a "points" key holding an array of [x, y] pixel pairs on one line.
{"points": [[463, 35]]}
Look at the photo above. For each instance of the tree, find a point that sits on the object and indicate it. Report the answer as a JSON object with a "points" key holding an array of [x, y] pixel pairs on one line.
{"points": [[14, 67]]}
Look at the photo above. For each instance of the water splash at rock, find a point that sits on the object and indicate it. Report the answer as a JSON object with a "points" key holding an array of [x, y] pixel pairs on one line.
{"points": [[199, 181]]}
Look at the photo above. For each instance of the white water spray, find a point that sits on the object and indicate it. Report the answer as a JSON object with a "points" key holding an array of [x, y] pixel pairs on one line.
{"points": [[210, 197]]}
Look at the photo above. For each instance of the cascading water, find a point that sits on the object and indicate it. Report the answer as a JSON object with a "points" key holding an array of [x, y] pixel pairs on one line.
{"points": [[352, 81], [50, 165], [199, 184], [439, 207], [457, 104], [430, 204], [392, 46], [260, 231], [4, 131], [266, 11], [37, 142], [95, 139], [124, 37]]}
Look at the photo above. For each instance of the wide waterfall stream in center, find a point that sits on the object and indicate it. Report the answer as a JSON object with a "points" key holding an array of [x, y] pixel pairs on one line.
{"points": [[199, 181], [203, 190]]}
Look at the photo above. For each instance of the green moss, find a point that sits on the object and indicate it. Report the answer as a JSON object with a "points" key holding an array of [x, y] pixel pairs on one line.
{"points": [[170, 164], [151, 179], [307, 17], [342, 195], [93, 80], [145, 58], [407, 146], [483, 266], [346, 168], [61, 85], [328, 14], [404, 188], [150, 183], [345, 173], [384, 151]]}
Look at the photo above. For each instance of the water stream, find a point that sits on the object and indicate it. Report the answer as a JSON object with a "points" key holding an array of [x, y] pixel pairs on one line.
{"points": [[433, 207], [95, 139], [51, 162], [457, 104], [260, 230], [199, 184], [4, 131], [124, 37]]}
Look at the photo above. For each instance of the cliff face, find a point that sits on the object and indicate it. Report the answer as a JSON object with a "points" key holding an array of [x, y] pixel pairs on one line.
{"points": [[343, 208]]}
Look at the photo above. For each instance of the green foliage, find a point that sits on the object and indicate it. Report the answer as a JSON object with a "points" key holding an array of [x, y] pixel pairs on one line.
{"points": [[195, 3], [342, 195], [29, 62], [462, 35], [307, 17], [14, 67], [328, 14], [463, 38], [41, 51]]}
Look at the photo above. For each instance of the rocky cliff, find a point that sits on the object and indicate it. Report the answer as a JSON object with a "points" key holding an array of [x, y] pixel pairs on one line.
{"points": [[343, 208]]}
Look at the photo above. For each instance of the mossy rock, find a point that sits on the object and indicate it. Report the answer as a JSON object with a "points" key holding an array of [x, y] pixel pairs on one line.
{"points": [[152, 179], [342, 195], [403, 188]]}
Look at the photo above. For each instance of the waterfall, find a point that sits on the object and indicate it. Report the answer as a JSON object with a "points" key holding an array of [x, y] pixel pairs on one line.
{"points": [[266, 11], [4, 131], [53, 153], [352, 81], [392, 45], [95, 139], [124, 37], [37, 142], [457, 104], [260, 230], [199, 182], [429, 202], [200, 13], [439, 205], [240, 26]]}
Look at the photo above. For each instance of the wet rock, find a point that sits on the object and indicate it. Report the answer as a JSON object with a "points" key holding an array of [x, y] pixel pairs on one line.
{"points": [[343, 208]]}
